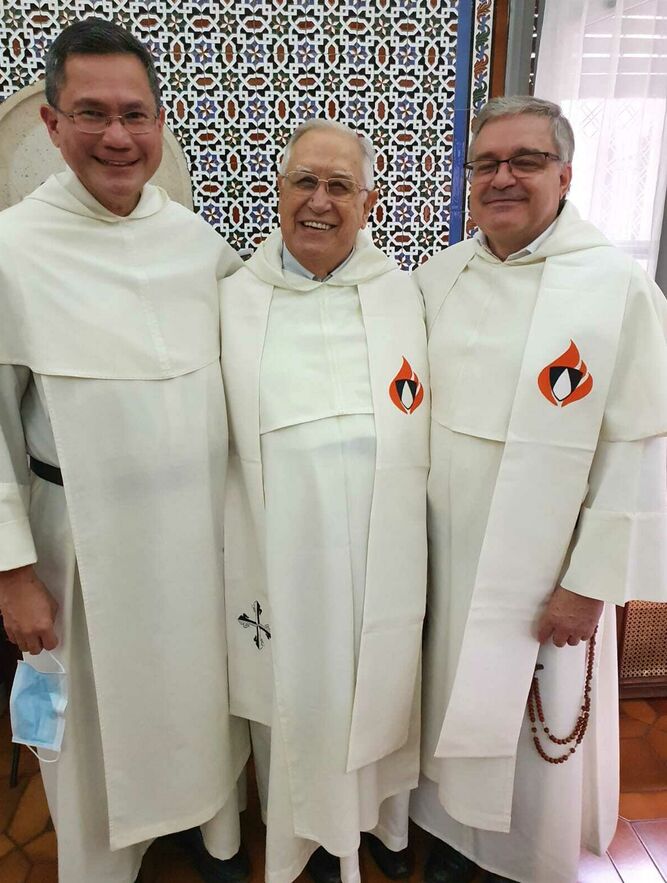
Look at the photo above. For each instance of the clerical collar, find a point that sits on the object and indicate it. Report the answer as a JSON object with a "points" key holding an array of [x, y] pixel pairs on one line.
{"points": [[291, 264], [528, 249]]}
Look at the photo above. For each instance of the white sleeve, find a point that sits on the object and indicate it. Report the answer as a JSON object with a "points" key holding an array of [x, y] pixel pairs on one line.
{"points": [[16, 543], [619, 550], [229, 262]]}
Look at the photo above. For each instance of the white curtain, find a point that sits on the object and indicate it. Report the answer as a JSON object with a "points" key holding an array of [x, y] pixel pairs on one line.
{"points": [[605, 63]]}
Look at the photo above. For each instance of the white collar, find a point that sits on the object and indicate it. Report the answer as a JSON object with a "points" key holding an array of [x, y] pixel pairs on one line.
{"points": [[291, 264], [527, 249]]}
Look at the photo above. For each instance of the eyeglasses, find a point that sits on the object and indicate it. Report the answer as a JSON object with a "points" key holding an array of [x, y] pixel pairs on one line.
{"points": [[337, 188], [94, 122], [523, 165]]}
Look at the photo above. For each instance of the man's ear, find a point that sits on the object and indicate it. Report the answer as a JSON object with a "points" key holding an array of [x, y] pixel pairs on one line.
{"points": [[369, 205], [565, 179], [161, 118], [51, 120]]}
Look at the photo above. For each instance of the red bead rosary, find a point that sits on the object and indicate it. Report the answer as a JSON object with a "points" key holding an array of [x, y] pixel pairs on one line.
{"points": [[536, 711]]}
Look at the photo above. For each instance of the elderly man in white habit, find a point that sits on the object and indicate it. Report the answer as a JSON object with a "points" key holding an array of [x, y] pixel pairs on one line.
{"points": [[546, 508], [324, 361]]}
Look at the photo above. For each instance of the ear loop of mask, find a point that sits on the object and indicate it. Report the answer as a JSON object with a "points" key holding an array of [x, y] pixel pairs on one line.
{"points": [[39, 756]]}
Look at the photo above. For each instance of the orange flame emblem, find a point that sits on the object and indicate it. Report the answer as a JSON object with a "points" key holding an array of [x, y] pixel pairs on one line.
{"points": [[405, 390], [566, 379]]}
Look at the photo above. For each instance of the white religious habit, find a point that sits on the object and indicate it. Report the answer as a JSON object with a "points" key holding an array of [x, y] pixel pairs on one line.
{"points": [[109, 352], [549, 376], [325, 544]]}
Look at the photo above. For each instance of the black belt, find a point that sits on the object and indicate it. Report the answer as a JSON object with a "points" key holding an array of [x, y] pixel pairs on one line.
{"points": [[46, 471]]}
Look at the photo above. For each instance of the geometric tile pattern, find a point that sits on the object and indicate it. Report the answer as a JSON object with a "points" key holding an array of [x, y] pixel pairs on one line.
{"points": [[645, 639], [238, 75]]}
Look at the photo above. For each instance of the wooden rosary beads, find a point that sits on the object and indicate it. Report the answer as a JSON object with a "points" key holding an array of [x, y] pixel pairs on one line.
{"points": [[536, 712]]}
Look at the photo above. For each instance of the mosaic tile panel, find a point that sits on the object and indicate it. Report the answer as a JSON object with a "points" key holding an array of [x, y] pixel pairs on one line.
{"points": [[238, 76]]}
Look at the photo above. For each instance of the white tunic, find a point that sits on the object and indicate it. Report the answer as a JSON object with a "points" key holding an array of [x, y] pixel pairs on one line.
{"points": [[317, 420], [118, 333], [476, 348]]}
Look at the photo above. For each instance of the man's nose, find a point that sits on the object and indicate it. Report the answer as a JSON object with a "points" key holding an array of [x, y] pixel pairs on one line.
{"points": [[504, 176], [319, 198], [116, 135]]}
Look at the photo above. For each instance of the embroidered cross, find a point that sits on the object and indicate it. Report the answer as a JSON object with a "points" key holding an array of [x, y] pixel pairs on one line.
{"points": [[261, 628]]}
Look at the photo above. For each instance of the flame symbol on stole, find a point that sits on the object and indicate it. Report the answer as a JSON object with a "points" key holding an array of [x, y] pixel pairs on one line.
{"points": [[405, 390], [566, 379]]}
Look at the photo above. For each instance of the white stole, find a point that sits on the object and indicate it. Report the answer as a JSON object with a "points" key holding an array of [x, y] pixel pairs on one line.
{"points": [[396, 567], [544, 469]]}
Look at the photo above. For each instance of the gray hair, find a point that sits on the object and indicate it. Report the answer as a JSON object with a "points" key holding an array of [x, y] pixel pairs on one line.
{"points": [[316, 125], [513, 105]]}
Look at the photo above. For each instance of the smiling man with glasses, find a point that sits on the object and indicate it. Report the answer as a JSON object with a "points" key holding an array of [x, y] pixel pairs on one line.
{"points": [[546, 500], [113, 450], [320, 217], [324, 360]]}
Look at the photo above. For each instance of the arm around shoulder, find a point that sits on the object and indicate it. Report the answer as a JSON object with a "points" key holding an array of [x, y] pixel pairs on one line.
{"points": [[436, 277]]}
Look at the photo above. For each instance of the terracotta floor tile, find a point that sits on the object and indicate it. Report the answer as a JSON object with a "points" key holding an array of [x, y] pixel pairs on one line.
{"points": [[640, 710], [644, 805], [28, 763], [596, 869], [654, 837], [6, 845], [630, 727], [43, 848], [9, 801], [630, 858], [32, 814], [14, 868], [641, 768], [660, 705], [658, 742], [44, 873]]}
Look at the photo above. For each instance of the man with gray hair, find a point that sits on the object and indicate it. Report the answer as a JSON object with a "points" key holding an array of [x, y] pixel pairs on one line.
{"points": [[324, 361], [546, 508]]}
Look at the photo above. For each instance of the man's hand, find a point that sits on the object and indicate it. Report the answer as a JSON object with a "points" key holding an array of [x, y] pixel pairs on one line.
{"points": [[28, 610], [568, 618]]}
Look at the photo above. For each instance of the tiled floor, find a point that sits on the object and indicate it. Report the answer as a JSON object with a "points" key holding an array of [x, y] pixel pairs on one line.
{"points": [[637, 855], [644, 759]]}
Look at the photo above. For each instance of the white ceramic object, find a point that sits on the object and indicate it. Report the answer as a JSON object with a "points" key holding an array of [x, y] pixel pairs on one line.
{"points": [[27, 157]]}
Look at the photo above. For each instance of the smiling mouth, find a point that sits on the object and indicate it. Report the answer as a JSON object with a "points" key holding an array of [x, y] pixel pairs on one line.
{"points": [[116, 164], [317, 225], [504, 201]]}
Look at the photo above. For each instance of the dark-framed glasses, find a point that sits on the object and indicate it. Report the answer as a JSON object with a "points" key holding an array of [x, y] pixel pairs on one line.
{"points": [[522, 165], [94, 122], [337, 188]]}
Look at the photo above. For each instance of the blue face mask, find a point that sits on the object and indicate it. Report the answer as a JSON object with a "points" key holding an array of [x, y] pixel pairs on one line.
{"points": [[37, 707]]}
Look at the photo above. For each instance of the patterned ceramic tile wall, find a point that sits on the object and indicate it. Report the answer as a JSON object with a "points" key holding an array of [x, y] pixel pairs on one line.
{"points": [[238, 76]]}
